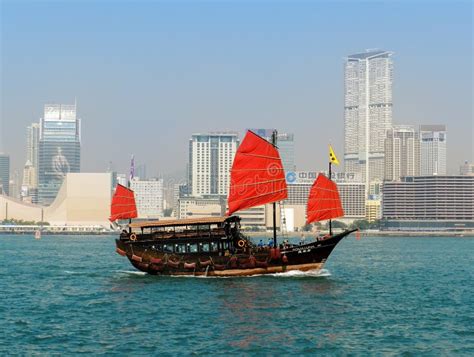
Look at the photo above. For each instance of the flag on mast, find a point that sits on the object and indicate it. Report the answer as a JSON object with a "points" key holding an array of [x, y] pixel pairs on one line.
{"points": [[332, 156]]}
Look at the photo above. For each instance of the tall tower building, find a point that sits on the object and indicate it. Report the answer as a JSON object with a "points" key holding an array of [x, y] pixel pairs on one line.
{"points": [[286, 146], [433, 150], [59, 149], [210, 160], [32, 144], [402, 153], [4, 174], [368, 80]]}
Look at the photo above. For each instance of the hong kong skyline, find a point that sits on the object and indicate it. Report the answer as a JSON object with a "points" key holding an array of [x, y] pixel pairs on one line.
{"points": [[148, 76]]}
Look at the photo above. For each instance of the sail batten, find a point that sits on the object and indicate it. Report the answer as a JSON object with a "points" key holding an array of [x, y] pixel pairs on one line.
{"points": [[257, 175], [324, 201], [123, 204]]}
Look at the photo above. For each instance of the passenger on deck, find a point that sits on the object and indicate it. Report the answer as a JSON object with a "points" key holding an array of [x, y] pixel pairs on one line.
{"points": [[261, 244], [270, 243]]}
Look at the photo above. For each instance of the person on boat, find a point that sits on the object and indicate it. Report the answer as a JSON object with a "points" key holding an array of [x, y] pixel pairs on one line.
{"points": [[261, 244], [302, 239], [270, 243]]}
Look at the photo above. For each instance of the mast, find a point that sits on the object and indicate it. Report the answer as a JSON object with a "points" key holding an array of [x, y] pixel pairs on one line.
{"points": [[330, 179], [129, 183], [274, 141]]}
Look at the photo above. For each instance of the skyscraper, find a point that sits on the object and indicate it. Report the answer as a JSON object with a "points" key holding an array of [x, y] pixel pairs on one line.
{"points": [[32, 144], [4, 174], [286, 146], [367, 112], [402, 152], [59, 149], [433, 150], [210, 160]]}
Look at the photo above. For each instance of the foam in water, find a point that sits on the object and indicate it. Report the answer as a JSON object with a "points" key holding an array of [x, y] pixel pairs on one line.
{"points": [[131, 272], [297, 273], [317, 273]]}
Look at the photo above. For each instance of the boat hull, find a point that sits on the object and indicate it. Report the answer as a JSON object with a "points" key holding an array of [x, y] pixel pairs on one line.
{"points": [[257, 261]]}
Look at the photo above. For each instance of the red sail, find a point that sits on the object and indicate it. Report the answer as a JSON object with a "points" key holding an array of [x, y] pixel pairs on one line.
{"points": [[324, 201], [123, 204], [257, 176]]}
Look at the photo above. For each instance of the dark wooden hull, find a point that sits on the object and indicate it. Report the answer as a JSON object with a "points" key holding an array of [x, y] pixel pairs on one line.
{"points": [[255, 261]]}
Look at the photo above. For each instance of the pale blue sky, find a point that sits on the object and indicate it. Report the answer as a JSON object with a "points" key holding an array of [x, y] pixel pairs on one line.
{"points": [[148, 74]]}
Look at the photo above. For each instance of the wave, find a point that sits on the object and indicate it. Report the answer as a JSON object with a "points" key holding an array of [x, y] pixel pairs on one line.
{"points": [[131, 272], [304, 274]]}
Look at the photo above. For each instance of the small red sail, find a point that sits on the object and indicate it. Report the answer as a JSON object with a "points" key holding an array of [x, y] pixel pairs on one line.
{"points": [[257, 176], [123, 204], [324, 201]]}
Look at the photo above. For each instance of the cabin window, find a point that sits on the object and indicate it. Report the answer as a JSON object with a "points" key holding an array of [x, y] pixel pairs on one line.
{"points": [[204, 247], [167, 248], [179, 248], [192, 248], [214, 247]]}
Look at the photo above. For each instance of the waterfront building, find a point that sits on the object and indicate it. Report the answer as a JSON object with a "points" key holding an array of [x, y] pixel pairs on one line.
{"points": [[429, 203], [83, 200], [350, 186], [373, 210], [179, 190], [368, 105], [433, 150], [466, 169], [402, 152], [210, 160], [148, 197], [4, 174], [286, 146], [201, 206], [59, 149]]}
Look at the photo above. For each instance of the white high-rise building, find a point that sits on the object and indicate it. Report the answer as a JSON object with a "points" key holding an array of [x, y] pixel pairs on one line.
{"points": [[210, 160], [32, 144], [148, 197], [367, 112], [433, 150], [402, 152]]}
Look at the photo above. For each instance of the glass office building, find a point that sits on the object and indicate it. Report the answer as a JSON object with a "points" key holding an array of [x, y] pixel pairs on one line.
{"points": [[4, 174], [59, 149]]}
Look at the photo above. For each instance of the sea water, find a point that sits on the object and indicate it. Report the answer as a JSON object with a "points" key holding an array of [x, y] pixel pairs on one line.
{"points": [[73, 294]]}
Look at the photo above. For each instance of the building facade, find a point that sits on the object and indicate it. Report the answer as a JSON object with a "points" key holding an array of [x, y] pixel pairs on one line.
{"points": [[210, 161], [59, 149], [4, 174], [402, 152], [429, 203], [148, 197], [432, 150], [368, 105], [351, 190]]}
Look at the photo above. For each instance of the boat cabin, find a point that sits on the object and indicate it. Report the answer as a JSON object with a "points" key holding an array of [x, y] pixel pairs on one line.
{"points": [[210, 235]]}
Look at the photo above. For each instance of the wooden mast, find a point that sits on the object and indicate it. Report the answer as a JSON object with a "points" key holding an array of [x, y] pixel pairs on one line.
{"points": [[274, 141]]}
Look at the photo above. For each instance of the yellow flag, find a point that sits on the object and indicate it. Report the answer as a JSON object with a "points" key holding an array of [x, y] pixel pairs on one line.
{"points": [[332, 156]]}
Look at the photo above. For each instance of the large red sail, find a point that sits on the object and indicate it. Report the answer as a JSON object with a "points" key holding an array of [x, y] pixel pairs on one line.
{"points": [[123, 204], [324, 201], [257, 176]]}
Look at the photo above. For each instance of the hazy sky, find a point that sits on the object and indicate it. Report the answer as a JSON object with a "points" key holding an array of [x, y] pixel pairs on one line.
{"points": [[147, 75]]}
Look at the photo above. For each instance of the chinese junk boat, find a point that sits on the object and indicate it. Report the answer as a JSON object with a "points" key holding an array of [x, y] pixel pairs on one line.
{"points": [[215, 246]]}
